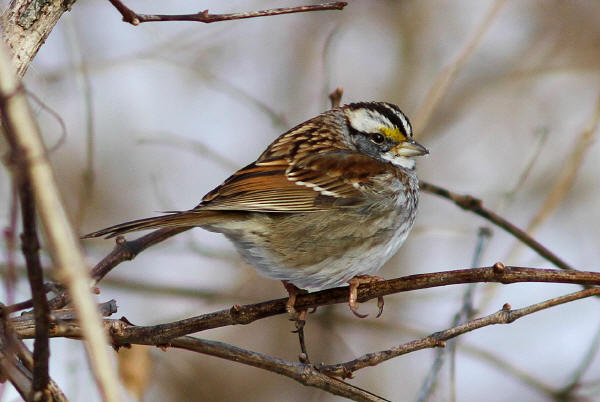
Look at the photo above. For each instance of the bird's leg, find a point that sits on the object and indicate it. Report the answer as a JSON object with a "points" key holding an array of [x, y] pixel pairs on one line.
{"points": [[299, 317], [353, 293]]}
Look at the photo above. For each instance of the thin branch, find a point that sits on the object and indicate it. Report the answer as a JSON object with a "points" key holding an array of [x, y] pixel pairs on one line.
{"points": [[336, 97], [475, 205], [504, 316], [122, 331], [30, 246], [134, 18], [128, 250], [30, 158], [10, 235], [305, 374]]}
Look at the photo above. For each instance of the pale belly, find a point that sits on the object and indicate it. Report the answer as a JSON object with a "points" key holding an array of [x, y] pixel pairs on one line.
{"points": [[314, 251]]}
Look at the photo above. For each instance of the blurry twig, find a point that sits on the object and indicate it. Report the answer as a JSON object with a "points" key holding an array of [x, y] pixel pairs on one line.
{"points": [[56, 116], [448, 74], [85, 88], [475, 205], [542, 134], [10, 239], [134, 18], [30, 245], [193, 146], [566, 176], [465, 313], [29, 158], [174, 291], [566, 393], [336, 97], [569, 170]]}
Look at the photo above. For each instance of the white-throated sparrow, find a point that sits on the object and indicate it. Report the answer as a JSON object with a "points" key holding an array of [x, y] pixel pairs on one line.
{"points": [[326, 204]]}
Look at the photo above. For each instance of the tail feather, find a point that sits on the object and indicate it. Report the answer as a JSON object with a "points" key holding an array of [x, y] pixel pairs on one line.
{"points": [[185, 218]]}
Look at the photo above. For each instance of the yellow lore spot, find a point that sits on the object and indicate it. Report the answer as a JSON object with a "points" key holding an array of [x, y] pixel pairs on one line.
{"points": [[393, 133]]}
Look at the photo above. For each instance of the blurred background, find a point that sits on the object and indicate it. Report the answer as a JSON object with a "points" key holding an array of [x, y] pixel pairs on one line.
{"points": [[503, 93]]}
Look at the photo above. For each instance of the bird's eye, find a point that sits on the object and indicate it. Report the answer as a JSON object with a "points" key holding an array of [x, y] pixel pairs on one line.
{"points": [[377, 138]]}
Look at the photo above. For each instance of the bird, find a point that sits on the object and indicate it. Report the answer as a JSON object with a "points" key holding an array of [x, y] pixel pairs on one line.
{"points": [[325, 205]]}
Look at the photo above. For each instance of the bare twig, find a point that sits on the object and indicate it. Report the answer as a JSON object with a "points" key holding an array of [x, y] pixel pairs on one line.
{"points": [[10, 235], [30, 158], [128, 250], [475, 205], [336, 97], [30, 246], [125, 332], [305, 374], [505, 316], [134, 18]]}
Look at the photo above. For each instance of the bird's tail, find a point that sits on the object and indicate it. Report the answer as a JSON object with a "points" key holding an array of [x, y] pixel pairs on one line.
{"points": [[175, 219]]}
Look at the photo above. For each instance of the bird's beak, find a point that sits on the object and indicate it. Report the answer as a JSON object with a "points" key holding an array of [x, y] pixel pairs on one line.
{"points": [[410, 147]]}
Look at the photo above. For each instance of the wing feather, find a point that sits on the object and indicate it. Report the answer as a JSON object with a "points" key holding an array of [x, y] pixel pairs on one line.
{"points": [[312, 183]]}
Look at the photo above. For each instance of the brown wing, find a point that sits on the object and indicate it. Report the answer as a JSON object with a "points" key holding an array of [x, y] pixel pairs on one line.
{"points": [[310, 183]]}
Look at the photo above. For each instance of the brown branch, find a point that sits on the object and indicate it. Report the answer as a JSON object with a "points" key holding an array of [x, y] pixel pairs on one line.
{"points": [[305, 374], [123, 332], [475, 205], [30, 246], [128, 250], [504, 316], [134, 18], [336, 97]]}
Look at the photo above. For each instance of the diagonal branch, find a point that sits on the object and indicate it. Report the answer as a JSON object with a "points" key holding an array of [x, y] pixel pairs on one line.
{"points": [[305, 374], [475, 205], [134, 18], [505, 316]]}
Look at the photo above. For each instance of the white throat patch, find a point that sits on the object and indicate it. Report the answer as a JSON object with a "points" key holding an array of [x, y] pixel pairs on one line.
{"points": [[400, 161]]}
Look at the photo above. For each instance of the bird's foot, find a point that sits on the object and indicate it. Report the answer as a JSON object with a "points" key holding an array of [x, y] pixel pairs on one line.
{"points": [[298, 316], [353, 293]]}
